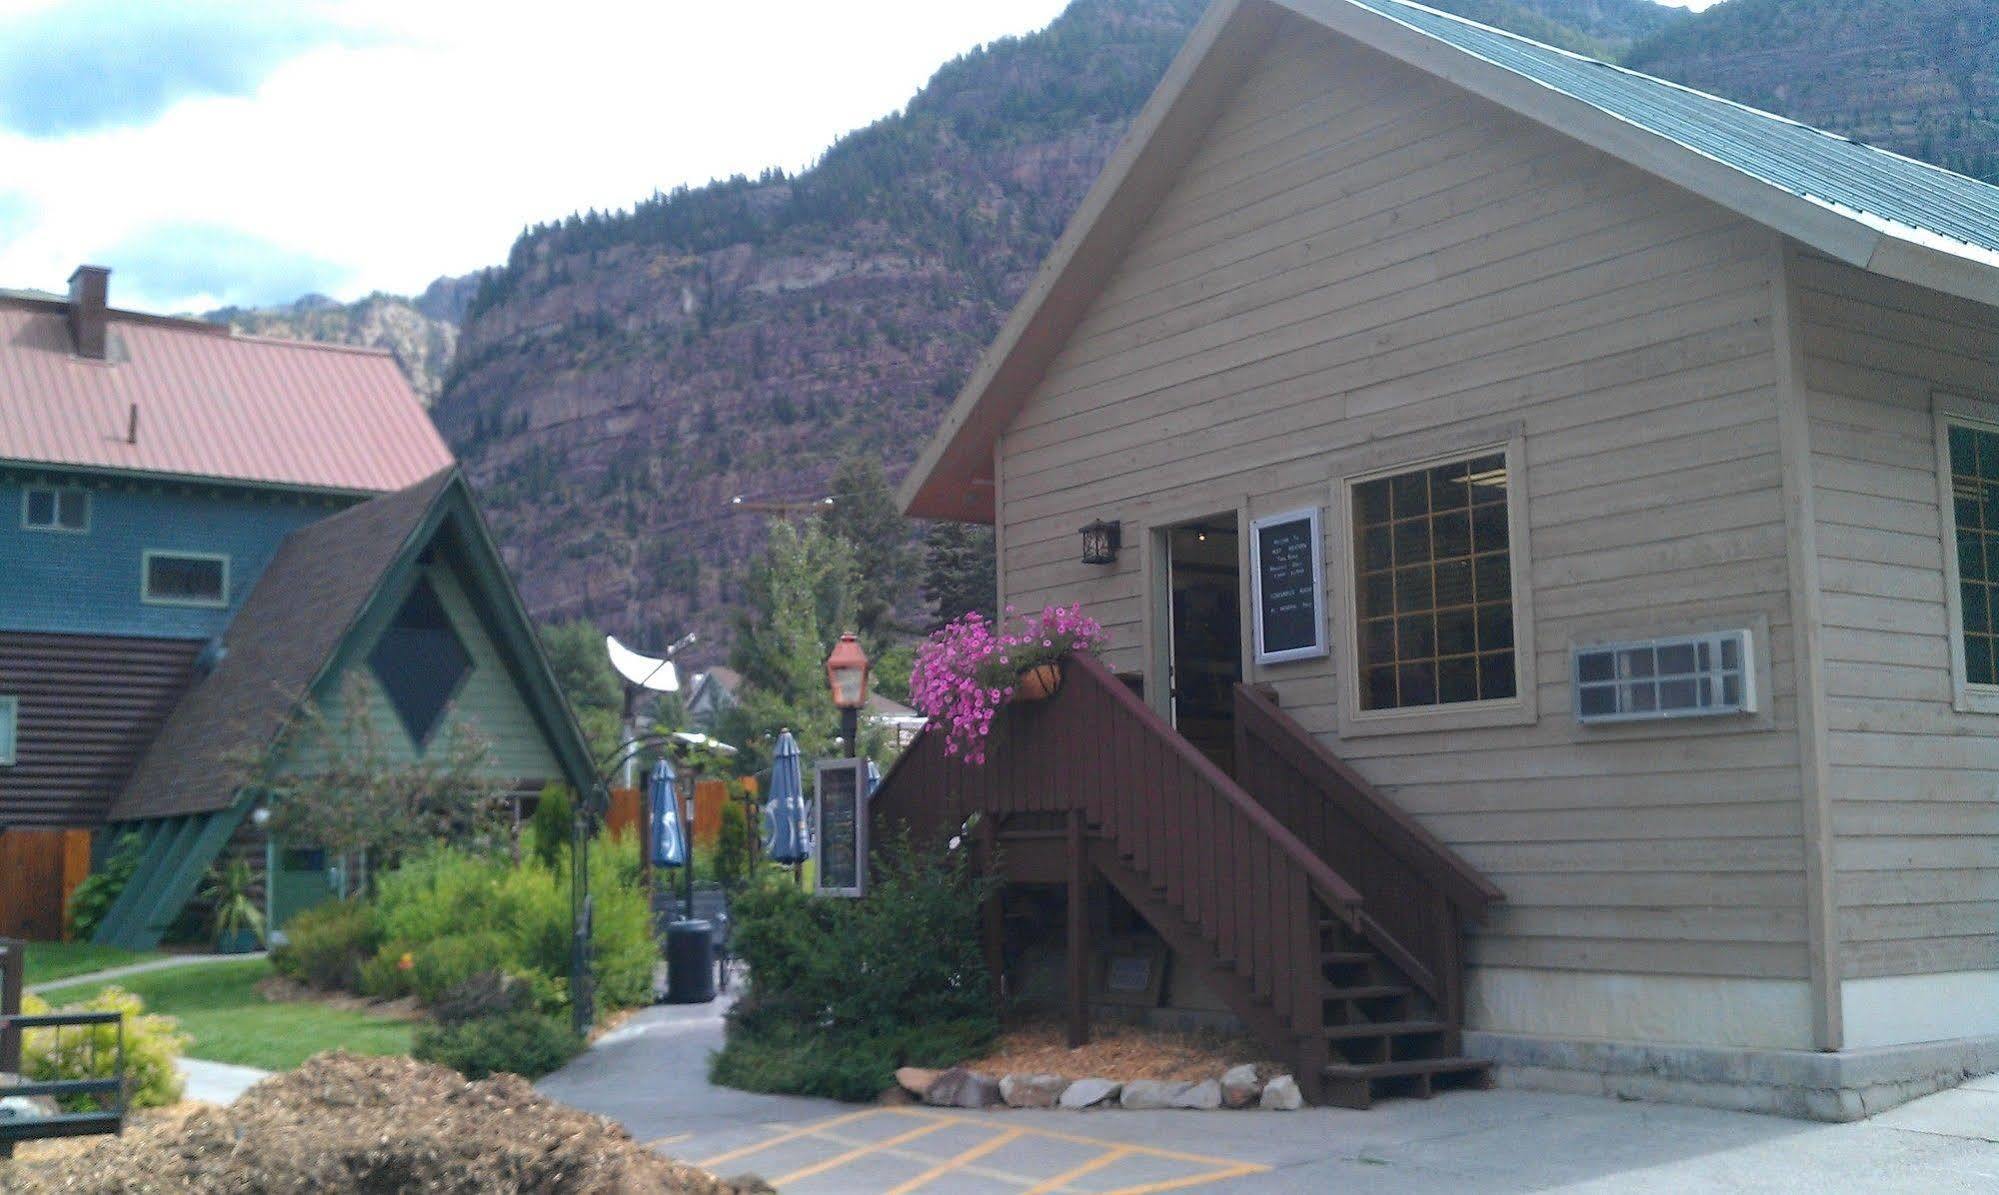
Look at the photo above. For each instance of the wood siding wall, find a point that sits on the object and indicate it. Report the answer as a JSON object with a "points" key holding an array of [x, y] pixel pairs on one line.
{"points": [[1913, 781], [1362, 266], [89, 705], [38, 871]]}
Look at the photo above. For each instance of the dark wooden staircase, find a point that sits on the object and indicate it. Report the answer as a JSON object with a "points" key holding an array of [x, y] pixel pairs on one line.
{"points": [[1327, 919]]}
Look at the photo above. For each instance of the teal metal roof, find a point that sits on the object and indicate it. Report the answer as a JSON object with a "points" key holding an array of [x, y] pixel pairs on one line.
{"points": [[1816, 165]]}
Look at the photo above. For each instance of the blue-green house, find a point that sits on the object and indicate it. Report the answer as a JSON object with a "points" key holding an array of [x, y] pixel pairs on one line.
{"points": [[205, 537]]}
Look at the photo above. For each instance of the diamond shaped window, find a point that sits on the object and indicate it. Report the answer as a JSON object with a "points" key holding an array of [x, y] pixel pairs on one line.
{"points": [[420, 662]]}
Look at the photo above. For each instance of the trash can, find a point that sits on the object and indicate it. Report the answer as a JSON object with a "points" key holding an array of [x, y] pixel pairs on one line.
{"points": [[690, 962]]}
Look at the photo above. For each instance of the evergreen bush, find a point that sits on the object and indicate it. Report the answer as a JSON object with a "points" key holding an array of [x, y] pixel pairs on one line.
{"points": [[529, 1044], [327, 945], [841, 992], [152, 1043]]}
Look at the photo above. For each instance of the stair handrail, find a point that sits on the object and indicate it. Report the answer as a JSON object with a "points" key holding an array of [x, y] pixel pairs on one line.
{"points": [[1344, 899], [1402, 834]]}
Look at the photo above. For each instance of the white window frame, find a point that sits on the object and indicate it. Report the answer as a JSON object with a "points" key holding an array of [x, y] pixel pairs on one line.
{"points": [[1951, 410], [10, 730], [56, 527], [146, 579], [1745, 669], [1523, 708]]}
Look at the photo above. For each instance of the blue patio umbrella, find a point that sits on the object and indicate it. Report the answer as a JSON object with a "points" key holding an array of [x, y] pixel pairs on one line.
{"points": [[786, 837], [874, 777], [669, 841]]}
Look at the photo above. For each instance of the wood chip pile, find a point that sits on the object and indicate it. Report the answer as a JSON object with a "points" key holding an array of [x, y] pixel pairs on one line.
{"points": [[1118, 1051], [343, 1124]]}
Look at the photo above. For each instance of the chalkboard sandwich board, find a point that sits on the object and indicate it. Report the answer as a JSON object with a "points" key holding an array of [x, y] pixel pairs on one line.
{"points": [[1289, 586], [841, 819]]}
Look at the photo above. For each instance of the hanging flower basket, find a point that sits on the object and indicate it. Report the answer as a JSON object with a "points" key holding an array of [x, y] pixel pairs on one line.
{"points": [[972, 667], [1038, 683]]}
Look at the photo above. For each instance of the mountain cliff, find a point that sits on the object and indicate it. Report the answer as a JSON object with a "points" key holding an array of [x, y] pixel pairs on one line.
{"points": [[421, 331]]}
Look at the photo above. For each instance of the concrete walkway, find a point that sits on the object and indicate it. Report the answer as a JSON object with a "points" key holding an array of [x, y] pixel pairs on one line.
{"points": [[159, 964], [217, 1082], [650, 1076]]}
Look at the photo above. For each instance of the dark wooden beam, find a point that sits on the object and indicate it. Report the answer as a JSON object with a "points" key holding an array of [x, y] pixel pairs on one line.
{"points": [[1079, 934]]}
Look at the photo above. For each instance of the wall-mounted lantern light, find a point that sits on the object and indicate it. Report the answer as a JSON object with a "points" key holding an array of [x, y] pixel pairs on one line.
{"points": [[1101, 541]]}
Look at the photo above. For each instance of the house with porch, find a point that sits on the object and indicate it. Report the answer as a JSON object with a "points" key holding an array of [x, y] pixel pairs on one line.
{"points": [[205, 534], [1546, 518]]}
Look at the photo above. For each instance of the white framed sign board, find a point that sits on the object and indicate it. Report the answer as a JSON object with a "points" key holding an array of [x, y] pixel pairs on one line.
{"points": [[1288, 586]]}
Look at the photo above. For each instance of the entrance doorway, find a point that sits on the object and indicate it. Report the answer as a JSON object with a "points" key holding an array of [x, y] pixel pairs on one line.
{"points": [[1203, 585]]}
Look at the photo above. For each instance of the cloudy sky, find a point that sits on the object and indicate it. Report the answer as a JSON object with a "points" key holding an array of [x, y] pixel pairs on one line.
{"points": [[250, 151]]}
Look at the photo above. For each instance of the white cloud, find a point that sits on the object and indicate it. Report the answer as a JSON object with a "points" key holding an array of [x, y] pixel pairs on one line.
{"points": [[424, 151]]}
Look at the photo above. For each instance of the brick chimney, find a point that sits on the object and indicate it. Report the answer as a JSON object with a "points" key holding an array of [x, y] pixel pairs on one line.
{"points": [[89, 289]]}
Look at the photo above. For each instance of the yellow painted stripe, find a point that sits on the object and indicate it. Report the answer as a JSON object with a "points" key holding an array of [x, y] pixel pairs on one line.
{"points": [[1097, 1142], [945, 1167], [863, 1151], [669, 1139], [1176, 1184], [781, 1138], [1085, 1170]]}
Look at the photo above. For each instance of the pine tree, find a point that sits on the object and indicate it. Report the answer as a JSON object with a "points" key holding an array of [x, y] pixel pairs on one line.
{"points": [[960, 571], [865, 514], [796, 602]]}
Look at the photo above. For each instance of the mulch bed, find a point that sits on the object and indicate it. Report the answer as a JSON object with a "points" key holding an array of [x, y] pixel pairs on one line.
{"points": [[342, 1124], [1119, 1051]]}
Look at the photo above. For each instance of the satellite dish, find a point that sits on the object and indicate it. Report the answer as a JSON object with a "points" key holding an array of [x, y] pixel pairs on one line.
{"points": [[644, 671]]}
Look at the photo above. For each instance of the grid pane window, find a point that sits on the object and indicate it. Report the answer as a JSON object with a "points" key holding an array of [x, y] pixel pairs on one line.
{"points": [[1664, 678], [190, 580], [1434, 586], [1974, 479]]}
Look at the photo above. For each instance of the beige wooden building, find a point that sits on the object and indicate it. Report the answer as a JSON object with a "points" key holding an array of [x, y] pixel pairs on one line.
{"points": [[1644, 454]]}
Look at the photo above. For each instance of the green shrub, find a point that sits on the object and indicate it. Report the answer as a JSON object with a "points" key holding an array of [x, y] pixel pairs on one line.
{"points": [[802, 1061], [433, 968], [732, 842], [152, 1043], [550, 828], [327, 945], [841, 992], [528, 1044], [100, 889]]}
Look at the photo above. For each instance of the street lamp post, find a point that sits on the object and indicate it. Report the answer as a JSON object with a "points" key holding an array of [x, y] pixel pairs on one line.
{"points": [[847, 673]]}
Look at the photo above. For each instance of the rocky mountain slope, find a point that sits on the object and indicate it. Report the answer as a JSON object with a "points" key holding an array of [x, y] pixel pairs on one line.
{"points": [[624, 376], [421, 331]]}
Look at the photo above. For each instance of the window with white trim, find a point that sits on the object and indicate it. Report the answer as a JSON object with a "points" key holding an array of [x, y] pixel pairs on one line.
{"points": [[1433, 586], [1683, 676], [185, 579], [52, 508], [10, 718]]}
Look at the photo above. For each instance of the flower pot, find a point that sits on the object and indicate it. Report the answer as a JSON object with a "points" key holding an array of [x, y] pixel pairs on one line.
{"points": [[1038, 683]]}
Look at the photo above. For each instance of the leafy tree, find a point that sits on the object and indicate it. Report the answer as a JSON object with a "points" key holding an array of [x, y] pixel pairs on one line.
{"points": [[865, 514], [583, 669], [960, 571], [332, 780], [796, 602]]}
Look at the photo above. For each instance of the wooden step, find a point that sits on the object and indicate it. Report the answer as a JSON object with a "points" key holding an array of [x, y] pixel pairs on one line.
{"points": [[1372, 991], [1412, 1066], [1346, 957], [1384, 1029]]}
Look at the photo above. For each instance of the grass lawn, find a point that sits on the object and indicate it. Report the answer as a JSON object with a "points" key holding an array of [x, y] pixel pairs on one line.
{"points": [[60, 960], [218, 1006]]}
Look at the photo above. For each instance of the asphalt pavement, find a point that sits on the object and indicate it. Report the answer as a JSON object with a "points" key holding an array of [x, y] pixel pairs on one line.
{"points": [[650, 1075]]}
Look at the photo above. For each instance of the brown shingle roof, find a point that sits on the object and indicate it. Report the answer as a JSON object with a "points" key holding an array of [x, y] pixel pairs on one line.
{"points": [[279, 643]]}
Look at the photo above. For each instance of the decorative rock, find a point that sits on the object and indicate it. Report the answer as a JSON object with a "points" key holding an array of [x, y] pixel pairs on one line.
{"points": [[1088, 1093], [1282, 1094], [1240, 1086], [915, 1079], [960, 1088], [895, 1097], [1204, 1096], [1031, 1091], [1145, 1094]]}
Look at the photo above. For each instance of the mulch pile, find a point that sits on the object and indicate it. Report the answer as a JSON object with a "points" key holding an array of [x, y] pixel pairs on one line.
{"points": [[1119, 1051], [343, 1124]]}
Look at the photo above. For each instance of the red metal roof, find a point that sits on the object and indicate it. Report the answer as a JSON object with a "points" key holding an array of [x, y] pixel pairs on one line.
{"points": [[210, 404]]}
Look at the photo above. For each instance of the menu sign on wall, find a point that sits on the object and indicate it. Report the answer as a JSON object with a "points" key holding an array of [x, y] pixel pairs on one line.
{"points": [[1289, 587], [842, 825]]}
